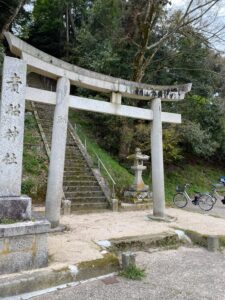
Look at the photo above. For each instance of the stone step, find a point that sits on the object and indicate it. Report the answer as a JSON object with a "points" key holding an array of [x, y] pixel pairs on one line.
{"points": [[81, 188], [77, 169], [68, 183], [70, 143], [77, 173], [75, 159], [80, 185], [88, 206], [79, 177], [81, 200], [71, 149], [75, 165], [85, 195], [77, 162], [46, 124], [75, 153]]}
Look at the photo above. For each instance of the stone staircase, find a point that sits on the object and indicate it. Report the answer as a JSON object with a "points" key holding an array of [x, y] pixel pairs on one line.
{"points": [[80, 186]]}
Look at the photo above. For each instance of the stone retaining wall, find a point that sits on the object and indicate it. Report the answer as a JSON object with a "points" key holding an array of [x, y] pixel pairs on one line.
{"points": [[23, 246]]}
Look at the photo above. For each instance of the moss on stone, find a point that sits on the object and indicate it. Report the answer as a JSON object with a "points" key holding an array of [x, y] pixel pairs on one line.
{"points": [[108, 259], [222, 241], [197, 238]]}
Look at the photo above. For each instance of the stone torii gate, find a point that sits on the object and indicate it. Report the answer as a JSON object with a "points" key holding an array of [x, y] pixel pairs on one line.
{"points": [[12, 106]]}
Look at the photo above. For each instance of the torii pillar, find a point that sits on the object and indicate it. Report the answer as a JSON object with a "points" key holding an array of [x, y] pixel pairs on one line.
{"points": [[158, 188]]}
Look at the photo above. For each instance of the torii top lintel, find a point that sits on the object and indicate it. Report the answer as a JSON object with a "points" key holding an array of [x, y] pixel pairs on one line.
{"points": [[49, 66]]}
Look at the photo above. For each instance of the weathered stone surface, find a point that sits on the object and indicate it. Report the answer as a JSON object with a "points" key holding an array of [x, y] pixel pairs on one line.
{"points": [[157, 161], [58, 147], [128, 260], [41, 257], [24, 228], [52, 67], [1, 246], [15, 262], [66, 207], [18, 208], [19, 243], [23, 246], [115, 205], [138, 184], [12, 107], [213, 243]]}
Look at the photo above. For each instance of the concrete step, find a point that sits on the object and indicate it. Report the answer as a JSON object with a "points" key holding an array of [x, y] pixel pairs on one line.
{"points": [[71, 149], [69, 183], [78, 173], [88, 206], [75, 165], [80, 185], [85, 195], [85, 188], [76, 162], [79, 178], [74, 155], [76, 169], [86, 201]]}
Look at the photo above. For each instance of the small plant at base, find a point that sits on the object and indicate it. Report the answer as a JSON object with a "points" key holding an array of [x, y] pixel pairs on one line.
{"points": [[6, 221], [132, 272]]}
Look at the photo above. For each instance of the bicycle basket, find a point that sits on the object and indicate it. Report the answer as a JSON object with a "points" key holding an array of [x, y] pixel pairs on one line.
{"points": [[180, 188]]}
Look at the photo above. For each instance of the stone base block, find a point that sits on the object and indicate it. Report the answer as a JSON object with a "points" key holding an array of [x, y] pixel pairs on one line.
{"points": [[23, 246], [135, 206], [128, 260], [115, 205], [166, 218], [137, 196], [17, 208]]}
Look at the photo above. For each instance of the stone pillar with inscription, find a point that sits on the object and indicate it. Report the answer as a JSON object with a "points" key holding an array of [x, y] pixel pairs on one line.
{"points": [[58, 150], [12, 109]]}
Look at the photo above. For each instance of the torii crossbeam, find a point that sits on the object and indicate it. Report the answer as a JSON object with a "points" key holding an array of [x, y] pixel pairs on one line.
{"points": [[15, 91]]}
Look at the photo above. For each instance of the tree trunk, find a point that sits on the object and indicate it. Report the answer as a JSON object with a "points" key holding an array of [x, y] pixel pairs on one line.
{"points": [[13, 14]]}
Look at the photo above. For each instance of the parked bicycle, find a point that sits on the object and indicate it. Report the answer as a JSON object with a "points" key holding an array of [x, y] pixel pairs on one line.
{"points": [[181, 198], [216, 190]]}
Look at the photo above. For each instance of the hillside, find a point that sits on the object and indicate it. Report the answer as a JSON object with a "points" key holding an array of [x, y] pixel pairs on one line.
{"points": [[35, 165], [199, 174]]}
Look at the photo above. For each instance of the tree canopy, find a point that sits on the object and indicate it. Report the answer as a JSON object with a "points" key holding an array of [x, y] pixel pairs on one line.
{"points": [[148, 41]]}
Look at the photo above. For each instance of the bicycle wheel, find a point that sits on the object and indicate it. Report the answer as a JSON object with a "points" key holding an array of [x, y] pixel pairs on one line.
{"points": [[180, 200], [206, 202]]}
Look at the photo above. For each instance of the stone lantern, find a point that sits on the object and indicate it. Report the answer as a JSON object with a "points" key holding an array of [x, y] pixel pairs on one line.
{"points": [[139, 158], [138, 191]]}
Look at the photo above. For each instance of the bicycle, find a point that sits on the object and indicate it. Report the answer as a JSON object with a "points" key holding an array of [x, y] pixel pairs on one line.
{"points": [[181, 198], [215, 193]]}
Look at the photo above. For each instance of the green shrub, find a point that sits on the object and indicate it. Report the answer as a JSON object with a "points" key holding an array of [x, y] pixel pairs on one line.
{"points": [[27, 186]]}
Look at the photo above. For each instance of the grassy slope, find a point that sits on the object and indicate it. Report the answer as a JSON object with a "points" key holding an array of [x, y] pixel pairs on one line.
{"points": [[199, 175], [35, 165], [35, 161]]}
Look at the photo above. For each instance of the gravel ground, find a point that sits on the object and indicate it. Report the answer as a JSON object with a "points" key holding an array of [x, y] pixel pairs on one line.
{"points": [[185, 273]]}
